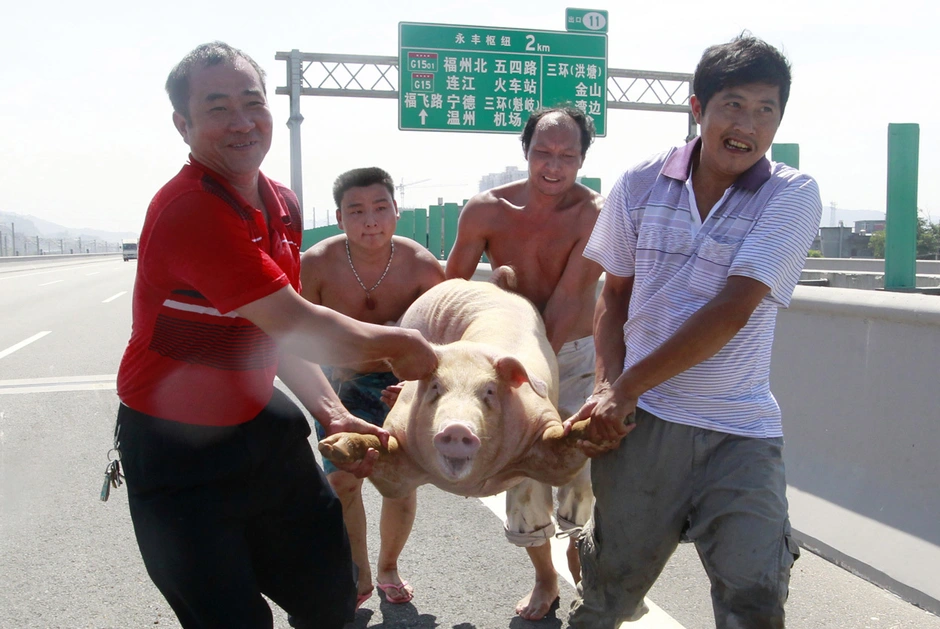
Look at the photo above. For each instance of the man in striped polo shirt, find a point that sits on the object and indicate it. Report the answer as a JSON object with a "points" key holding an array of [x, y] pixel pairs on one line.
{"points": [[701, 245]]}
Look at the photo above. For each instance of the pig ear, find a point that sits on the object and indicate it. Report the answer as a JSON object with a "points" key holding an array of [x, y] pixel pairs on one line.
{"points": [[510, 369]]}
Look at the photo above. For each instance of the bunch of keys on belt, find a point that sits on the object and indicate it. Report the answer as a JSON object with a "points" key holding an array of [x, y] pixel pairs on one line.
{"points": [[112, 475]]}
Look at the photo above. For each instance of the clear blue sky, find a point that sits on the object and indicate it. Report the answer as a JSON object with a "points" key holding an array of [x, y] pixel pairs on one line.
{"points": [[88, 136]]}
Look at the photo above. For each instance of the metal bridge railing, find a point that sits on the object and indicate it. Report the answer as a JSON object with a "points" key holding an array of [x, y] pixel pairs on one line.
{"points": [[363, 76], [359, 76]]}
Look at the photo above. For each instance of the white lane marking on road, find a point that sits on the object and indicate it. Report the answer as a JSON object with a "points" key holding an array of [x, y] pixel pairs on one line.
{"points": [[64, 383], [656, 618], [90, 274], [22, 344], [113, 297], [13, 275], [52, 282]]}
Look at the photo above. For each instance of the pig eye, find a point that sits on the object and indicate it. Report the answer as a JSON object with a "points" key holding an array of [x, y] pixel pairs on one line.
{"points": [[434, 391], [489, 395]]}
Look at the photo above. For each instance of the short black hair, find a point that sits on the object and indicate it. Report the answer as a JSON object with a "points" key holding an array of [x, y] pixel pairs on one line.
{"points": [[585, 126], [202, 56], [742, 61], [361, 178]]}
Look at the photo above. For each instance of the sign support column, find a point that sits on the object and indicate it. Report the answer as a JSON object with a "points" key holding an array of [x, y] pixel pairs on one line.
{"points": [[294, 78]]}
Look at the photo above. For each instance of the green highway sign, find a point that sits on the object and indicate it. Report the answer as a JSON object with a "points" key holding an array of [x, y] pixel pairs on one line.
{"points": [[586, 20], [486, 79]]}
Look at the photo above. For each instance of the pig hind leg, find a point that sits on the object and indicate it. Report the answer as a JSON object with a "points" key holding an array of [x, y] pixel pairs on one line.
{"points": [[529, 513], [575, 504]]}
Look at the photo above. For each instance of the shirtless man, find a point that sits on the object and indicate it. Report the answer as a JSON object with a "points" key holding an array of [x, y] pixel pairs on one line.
{"points": [[371, 275], [539, 227]]}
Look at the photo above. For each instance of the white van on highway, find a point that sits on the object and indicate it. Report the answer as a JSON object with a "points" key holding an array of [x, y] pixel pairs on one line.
{"points": [[129, 249]]}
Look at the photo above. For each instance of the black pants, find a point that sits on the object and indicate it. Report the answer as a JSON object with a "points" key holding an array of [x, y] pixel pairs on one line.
{"points": [[223, 515]]}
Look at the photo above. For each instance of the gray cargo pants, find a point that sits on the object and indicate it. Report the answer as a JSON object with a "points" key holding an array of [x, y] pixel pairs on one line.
{"points": [[731, 491]]}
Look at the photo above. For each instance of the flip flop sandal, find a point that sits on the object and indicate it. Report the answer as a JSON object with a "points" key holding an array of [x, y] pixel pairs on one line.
{"points": [[396, 593]]}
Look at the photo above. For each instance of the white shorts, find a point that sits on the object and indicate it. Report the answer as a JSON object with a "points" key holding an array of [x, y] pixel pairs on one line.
{"points": [[529, 504]]}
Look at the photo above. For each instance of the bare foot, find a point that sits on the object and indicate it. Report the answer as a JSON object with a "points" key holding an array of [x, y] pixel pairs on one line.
{"points": [[396, 589], [363, 597], [536, 604], [364, 586], [365, 591], [388, 576]]}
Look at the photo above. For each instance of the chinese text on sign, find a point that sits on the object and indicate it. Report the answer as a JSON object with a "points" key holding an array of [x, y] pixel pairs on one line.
{"points": [[487, 79]]}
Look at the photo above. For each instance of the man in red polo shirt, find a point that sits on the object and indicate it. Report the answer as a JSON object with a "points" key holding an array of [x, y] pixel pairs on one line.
{"points": [[226, 497]]}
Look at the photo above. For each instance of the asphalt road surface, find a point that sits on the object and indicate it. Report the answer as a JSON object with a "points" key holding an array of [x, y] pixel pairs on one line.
{"points": [[68, 560]]}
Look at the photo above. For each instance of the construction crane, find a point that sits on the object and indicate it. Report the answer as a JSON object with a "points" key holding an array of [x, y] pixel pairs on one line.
{"points": [[401, 190]]}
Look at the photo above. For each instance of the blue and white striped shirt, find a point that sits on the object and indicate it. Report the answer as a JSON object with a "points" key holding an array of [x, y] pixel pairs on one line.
{"points": [[760, 229]]}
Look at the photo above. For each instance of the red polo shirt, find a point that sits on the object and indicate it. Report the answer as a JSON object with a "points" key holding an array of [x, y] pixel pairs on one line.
{"points": [[204, 252]]}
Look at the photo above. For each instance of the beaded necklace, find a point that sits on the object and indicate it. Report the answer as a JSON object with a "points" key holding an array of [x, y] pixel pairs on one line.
{"points": [[370, 303]]}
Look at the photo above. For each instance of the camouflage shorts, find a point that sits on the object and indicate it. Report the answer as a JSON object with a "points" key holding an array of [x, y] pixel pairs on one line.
{"points": [[361, 394]]}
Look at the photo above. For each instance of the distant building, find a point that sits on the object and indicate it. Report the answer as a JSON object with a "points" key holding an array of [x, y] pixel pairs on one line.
{"points": [[869, 227], [514, 174], [498, 179], [844, 242]]}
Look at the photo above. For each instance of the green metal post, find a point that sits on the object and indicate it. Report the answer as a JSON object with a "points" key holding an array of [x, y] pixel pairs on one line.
{"points": [[788, 154], [435, 230], [406, 224], [451, 214], [901, 227], [594, 183], [421, 226]]}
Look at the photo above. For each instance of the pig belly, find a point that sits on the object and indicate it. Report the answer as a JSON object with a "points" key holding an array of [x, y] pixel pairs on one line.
{"points": [[489, 487]]}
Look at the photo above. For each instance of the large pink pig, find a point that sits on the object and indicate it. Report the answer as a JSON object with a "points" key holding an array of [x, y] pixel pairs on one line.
{"points": [[486, 418]]}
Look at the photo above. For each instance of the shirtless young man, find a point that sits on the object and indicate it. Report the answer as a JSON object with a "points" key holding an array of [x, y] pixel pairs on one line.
{"points": [[371, 275], [539, 227]]}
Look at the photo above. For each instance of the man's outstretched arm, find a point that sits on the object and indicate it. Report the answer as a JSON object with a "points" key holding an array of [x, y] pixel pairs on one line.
{"points": [[324, 336], [470, 244]]}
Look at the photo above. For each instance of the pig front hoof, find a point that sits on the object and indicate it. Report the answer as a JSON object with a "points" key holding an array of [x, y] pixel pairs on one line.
{"points": [[342, 449]]}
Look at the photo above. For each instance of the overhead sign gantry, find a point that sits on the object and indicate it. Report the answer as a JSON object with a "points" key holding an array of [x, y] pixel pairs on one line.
{"points": [[432, 64]]}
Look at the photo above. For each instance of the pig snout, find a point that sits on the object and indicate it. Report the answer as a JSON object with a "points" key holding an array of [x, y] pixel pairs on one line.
{"points": [[456, 443]]}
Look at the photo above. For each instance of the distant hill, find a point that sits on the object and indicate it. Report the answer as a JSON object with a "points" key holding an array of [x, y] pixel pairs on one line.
{"points": [[31, 226]]}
